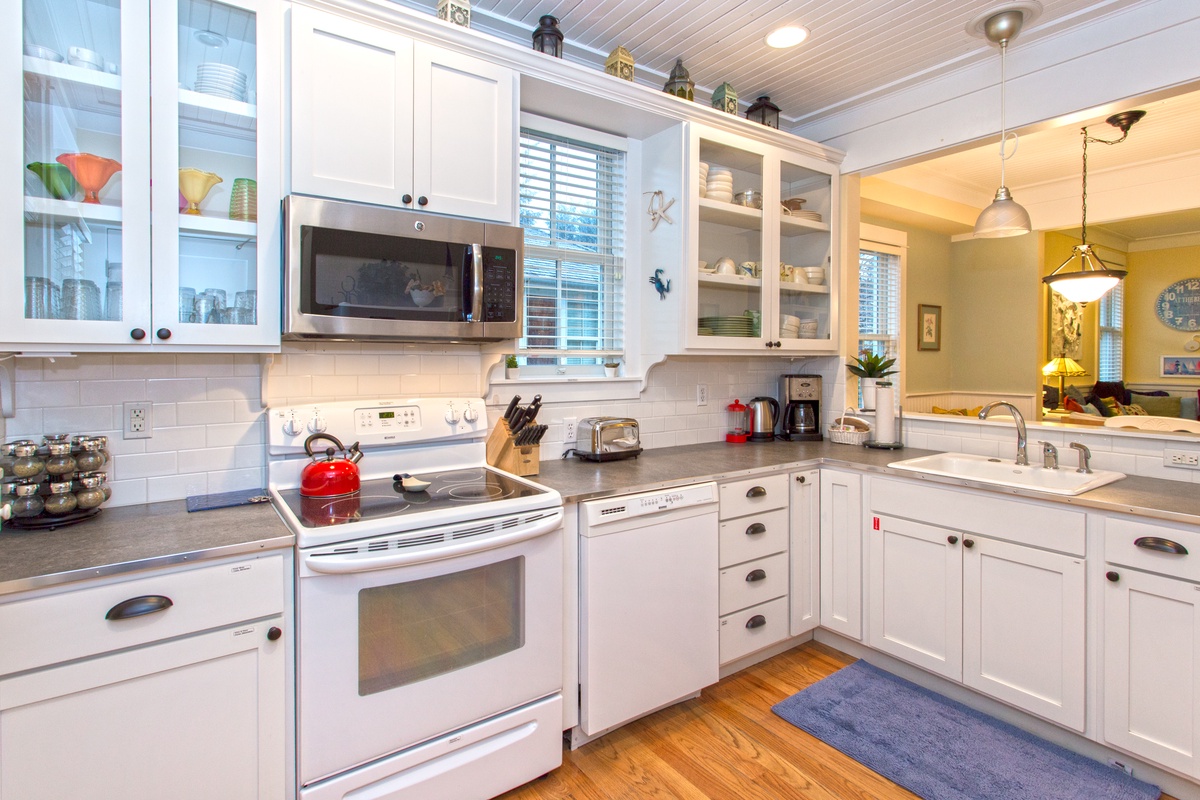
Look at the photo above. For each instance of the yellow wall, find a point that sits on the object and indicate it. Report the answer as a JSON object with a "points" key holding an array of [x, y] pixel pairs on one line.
{"points": [[1146, 337]]}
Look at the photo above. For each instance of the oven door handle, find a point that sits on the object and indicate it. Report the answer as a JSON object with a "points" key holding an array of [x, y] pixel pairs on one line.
{"points": [[343, 563]]}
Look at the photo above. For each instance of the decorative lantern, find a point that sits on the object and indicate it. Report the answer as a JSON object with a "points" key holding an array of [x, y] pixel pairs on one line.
{"points": [[620, 63], [739, 422], [725, 99], [548, 38], [680, 83], [455, 11], [765, 112]]}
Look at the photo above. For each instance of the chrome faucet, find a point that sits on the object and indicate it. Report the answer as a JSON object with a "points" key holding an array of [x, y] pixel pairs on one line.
{"points": [[1085, 457], [1022, 455]]}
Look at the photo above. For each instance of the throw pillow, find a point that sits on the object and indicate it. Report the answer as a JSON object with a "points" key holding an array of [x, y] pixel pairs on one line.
{"points": [[1134, 410], [1189, 407], [955, 412], [1071, 404], [1075, 392], [1108, 406], [1161, 406], [1111, 389], [1134, 395]]}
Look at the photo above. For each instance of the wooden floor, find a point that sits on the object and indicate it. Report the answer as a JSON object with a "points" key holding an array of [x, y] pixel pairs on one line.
{"points": [[724, 745]]}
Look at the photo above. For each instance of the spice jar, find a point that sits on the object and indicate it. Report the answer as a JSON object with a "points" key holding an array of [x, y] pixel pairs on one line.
{"points": [[61, 500], [89, 492], [28, 463], [7, 457], [90, 457], [28, 503], [102, 441], [60, 461]]}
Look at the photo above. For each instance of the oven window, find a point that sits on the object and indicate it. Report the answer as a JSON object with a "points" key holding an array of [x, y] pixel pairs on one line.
{"points": [[408, 632]]}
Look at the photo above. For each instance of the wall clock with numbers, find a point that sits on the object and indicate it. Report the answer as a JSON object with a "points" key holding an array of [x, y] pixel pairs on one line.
{"points": [[1179, 305]]}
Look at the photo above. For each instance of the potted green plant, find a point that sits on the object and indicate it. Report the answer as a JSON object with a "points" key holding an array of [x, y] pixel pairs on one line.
{"points": [[610, 368], [870, 367], [511, 369]]}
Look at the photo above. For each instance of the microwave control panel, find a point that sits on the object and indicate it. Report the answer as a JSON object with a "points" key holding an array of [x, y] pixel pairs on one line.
{"points": [[499, 285]]}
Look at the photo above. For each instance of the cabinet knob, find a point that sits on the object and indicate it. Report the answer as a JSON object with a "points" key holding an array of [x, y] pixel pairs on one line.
{"points": [[757, 621], [137, 334], [756, 575], [163, 333], [952, 539], [422, 200], [968, 543], [1113, 576], [274, 633], [756, 491], [756, 528], [800, 479], [406, 199]]}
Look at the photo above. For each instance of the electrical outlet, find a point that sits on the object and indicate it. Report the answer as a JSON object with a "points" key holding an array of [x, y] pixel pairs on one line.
{"points": [[569, 426], [1188, 459], [1121, 765], [701, 394], [138, 421]]}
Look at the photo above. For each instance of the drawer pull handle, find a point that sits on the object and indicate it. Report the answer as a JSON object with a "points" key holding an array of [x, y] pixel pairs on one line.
{"points": [[756, 575], [274, 633], [757, 527], [1113, 576], [952, 539], [757, 621], [1161, 545], [756, 491], [968, 543], [139, 606]]}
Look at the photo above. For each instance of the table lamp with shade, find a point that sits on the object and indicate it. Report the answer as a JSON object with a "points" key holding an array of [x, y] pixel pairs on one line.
{"points": [[1062, 368]]}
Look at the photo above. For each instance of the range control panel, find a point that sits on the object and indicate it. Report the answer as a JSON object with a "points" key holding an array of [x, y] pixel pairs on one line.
{"points": [[376, 423]]}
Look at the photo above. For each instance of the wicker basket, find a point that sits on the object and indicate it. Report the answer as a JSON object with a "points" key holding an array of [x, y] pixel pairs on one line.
{"points": [[849, 430]]}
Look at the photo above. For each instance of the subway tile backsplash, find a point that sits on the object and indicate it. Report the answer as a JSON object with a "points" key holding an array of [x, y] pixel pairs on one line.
{"points": [[208, 419]]}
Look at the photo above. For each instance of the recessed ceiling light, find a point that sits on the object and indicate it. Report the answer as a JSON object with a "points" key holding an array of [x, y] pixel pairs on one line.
{"points": [[787, 36]]}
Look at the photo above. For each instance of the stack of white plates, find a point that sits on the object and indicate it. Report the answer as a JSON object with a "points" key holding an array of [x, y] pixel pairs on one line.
{"points": [[814, 216], [702, 181], [221, 80], [720, 185], [728, 326]]}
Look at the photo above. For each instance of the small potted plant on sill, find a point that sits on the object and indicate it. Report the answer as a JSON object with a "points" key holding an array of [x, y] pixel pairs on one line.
{"points": [[610, 368], [511, 369], [870, 367]]}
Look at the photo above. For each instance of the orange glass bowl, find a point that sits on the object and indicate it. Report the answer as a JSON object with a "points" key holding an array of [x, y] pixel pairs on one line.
{"points": [[91, 172]]}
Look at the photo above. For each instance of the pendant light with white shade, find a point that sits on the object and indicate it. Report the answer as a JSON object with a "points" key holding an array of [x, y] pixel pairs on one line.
{"points": [[1004, 217]]}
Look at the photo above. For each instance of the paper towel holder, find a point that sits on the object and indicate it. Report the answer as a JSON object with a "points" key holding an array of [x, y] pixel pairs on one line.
{"points": [[896, 445]]}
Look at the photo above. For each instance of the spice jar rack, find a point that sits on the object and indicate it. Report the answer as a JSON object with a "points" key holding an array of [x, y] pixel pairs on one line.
{"points": [[60, 482]]}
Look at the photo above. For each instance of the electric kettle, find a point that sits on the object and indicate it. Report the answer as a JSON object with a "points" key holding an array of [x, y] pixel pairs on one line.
{"points": [[764, 413]]}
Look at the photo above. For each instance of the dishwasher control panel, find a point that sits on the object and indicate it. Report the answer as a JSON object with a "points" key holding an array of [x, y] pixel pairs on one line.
{"points": [[629, 506]]}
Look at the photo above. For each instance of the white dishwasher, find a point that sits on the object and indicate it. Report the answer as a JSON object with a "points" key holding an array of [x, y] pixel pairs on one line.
{"points": [[648, 604]]}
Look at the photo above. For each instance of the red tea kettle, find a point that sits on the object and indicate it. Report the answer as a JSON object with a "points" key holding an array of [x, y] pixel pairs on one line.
{"points": [[330, 475]]}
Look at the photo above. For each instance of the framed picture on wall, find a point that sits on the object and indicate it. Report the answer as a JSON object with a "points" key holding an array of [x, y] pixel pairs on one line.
{"points": [[1180, 367], [929, 323], [1066, 327]]}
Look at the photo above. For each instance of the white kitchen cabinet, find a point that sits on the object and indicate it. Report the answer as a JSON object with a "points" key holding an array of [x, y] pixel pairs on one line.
{"points": [[378, 117], [841, 552], [958, 587], [804, 551], [1152, 642], [185, 699], [85, 247]]}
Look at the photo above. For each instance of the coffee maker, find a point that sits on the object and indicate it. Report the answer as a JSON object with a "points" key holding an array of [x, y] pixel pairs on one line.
{"points": [[801, 397]]}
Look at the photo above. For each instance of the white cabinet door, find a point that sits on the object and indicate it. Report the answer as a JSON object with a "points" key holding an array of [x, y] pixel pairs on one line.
{"points": [[351, 126], [1152, 668], [1023, 628], [463, 111], [915, 594], [841, 552], [191, 719], [805, 551]]}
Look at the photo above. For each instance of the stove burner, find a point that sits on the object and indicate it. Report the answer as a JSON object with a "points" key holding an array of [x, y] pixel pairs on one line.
{"points": [[475, 491]]}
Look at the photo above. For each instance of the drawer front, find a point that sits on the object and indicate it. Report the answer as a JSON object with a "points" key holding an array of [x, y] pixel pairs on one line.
{"points": [[1151, 547], [739, 498], [753, 582], [753, 628], [72, 624], [753, 537]]}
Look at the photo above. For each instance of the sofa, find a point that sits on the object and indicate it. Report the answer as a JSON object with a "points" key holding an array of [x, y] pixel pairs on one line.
{"points": [[1114, 398]]}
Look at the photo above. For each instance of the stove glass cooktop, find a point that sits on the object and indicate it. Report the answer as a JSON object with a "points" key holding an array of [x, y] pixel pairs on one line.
{"points": [[384, 498]]}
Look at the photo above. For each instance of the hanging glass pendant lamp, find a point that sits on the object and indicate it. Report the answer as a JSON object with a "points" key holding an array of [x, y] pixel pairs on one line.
{"points": [[1090, 282], [1004, 217]]}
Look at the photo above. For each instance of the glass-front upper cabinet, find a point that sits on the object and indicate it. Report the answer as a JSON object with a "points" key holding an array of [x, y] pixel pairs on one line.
{"points": [[807, 292], [146, 147]]}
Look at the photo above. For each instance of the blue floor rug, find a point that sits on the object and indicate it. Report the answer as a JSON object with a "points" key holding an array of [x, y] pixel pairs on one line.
{"points": [[940, 749]]}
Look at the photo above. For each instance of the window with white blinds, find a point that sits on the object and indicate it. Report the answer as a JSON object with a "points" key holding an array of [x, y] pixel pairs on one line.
{"points": [[1111, 352], [573, 213], [879, 300]]}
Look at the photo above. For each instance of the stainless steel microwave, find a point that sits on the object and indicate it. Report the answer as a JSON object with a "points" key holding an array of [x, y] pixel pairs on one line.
{"points": [[367, 272]]}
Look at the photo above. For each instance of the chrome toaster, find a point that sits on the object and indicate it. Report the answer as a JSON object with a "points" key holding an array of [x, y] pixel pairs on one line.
{"points": [[607, 438]]}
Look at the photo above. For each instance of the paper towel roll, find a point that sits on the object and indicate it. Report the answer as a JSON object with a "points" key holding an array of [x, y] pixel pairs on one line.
{"points": [[885, 413]]}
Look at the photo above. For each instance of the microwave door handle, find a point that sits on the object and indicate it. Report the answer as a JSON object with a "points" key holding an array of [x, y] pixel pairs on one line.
{"points": [[475, 311]]}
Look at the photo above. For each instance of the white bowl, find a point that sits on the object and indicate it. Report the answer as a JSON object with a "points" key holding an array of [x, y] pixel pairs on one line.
{"points": [[726, 266], [37, 51], [85, 55], [414, 484]]}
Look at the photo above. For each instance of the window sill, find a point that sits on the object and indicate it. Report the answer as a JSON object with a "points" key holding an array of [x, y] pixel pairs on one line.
{"points": [[567, 388]]}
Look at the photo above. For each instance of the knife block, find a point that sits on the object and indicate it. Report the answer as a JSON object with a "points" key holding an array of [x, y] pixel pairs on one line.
{"points": [[503, 454]]}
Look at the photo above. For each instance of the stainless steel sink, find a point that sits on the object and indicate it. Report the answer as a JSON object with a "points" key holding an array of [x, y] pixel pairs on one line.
{"points": [[1004, 472]]}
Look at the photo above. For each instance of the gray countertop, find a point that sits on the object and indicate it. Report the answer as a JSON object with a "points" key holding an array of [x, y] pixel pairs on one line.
{"points": [[130, 538], [579, 480]]}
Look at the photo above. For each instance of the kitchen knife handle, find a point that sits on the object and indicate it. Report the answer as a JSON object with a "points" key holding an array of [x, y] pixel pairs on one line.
{"points": [[512, 406]]}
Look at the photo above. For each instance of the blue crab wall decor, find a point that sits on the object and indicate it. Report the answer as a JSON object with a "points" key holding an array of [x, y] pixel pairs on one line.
{"points": [[661, 287]]}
